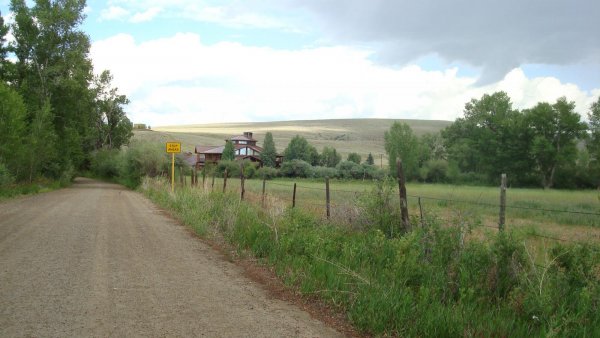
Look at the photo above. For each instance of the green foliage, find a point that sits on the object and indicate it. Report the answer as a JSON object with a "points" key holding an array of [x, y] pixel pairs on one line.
{"points": [[267, 173], [296, 168], [401, 143], [65, 112], [142, 159], [380, 208], [354, 157], [269, 153], [13, 132], [299, 149], [593, 144], [323, 172], [113, 128], [434, 171], [491, 139], [106, 163], [370, 160], [429, 282], [228, 152], [555, 130], [330, 157], [350, 170], [6, 178]]}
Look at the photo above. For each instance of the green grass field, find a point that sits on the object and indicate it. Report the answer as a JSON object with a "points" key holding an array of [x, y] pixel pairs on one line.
{"points": [[569, 219], [362, 136]]}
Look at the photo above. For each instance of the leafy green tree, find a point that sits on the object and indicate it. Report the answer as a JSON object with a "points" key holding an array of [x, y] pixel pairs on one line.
{"points": [[330, 157], [370, 160], [490, 139], [354, 157], [228, 152], [4, 49], [53, 68], [300, 149], [269, 153], [594, 127], [401, 142], [13, 132], [41, 145], [555, 129], [112, 128]]}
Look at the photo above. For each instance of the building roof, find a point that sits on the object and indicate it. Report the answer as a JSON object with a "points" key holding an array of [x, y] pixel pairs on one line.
{"points": [[202, 149], [241, 138]]}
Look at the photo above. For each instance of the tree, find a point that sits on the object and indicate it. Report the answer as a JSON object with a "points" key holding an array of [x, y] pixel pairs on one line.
{"points": [[330, 157], [53, 69], [113, 128], [300, 149], [370, 160], [594, 127], [354, 157], [490, 139], [228, 152], [4, 49], [13, 130], [555, 129], [269, 153], [401, 142]]}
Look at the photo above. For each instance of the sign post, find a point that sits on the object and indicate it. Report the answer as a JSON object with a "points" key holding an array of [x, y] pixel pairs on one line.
{"points": [[173, 148]]}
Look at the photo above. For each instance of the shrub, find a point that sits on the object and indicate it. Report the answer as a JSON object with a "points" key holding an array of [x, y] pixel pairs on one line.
{"points": [[322, 172], [349, 169], [434, 171], [267, 173], [105, 163], [296, 168], [373, 172], [6, 178], [142, 159], [379, 208]]}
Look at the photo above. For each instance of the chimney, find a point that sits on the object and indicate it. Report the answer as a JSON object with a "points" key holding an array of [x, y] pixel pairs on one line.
{"points": [[248, 134]]}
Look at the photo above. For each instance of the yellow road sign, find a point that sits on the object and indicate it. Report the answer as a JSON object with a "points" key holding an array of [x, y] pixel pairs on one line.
{"points": [[173, 147]]}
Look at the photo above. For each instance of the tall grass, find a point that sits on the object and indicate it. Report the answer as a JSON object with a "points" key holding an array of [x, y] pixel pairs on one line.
{"points": [[429, 282]]}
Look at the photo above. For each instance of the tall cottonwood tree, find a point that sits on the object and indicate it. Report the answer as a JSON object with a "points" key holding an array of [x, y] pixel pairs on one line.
{"points": [[555, 128], [112, 127], [401, 143], [4, 49], [53, 74]]}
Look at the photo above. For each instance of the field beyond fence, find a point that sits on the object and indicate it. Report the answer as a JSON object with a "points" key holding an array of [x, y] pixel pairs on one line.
{"points": [[454, 274]]}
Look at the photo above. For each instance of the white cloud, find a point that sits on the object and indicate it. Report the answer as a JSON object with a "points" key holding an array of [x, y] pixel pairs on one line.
{"points": [[146, 15], [113, 13], [180, 80]]}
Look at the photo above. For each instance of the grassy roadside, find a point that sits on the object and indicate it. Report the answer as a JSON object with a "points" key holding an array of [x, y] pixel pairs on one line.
{"points": [[21, 189], [429, 282]]}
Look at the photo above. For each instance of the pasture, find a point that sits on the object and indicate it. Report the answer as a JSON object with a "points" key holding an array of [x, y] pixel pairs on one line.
{"points": [[543, 216]]}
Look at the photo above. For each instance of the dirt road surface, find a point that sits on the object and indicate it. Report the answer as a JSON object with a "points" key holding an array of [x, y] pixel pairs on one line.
{"points": [[98, 260]]}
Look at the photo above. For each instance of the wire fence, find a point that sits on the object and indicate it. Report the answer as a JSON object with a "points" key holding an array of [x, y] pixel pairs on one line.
{"points": [[345, 204]]}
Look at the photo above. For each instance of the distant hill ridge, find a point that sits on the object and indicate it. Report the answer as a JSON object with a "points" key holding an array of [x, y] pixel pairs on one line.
{"points": [[362, 136]]}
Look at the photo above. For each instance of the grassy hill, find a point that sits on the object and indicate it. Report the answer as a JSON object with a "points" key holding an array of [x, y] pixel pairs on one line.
{"points": [[346, 135]]}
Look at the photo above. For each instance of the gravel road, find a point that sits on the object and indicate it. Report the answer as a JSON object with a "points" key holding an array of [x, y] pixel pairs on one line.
{"points": [[98, 260]]}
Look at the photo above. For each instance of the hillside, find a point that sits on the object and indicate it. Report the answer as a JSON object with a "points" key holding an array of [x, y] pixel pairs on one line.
{"points": [[347, 135]]}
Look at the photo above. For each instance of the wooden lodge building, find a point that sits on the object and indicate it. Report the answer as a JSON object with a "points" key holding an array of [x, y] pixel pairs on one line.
{"points": [[245, 149]]}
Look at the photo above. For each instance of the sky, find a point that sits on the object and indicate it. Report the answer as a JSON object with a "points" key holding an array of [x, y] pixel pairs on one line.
{"points": [[203, 61]]}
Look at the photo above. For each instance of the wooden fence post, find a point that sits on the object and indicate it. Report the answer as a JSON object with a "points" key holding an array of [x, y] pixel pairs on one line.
{"points": [[294, 197], [327, 199], [242, 179], [224, 180], [403, 201], [194, 176], [181, 176], [421, 212], [212, 186], [263, 192], [502, 202]]}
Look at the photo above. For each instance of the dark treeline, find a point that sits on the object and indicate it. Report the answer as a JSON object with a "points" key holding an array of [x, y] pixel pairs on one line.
{"points": [[54, 112], [546, 145]]}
